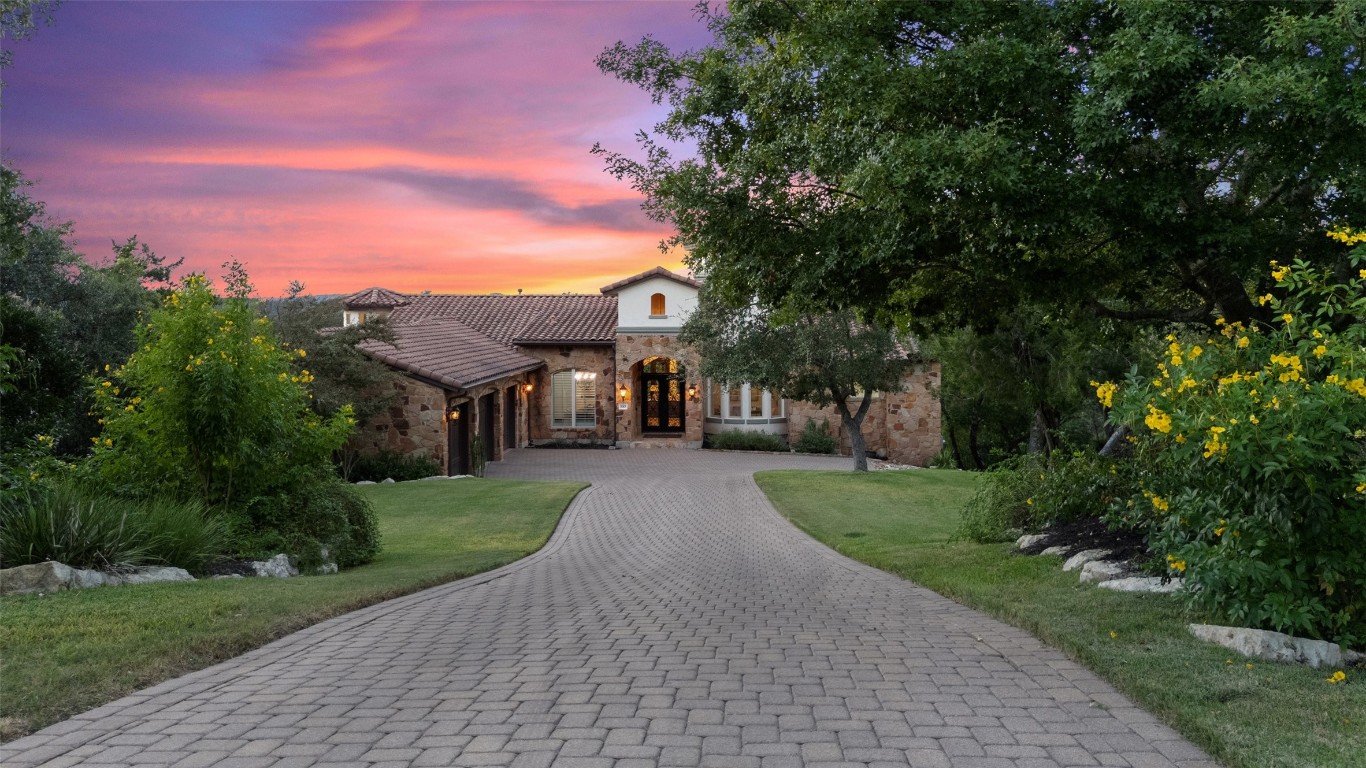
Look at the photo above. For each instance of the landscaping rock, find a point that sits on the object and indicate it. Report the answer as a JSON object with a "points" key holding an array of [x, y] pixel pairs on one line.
{"points": [[1029, 540], [1055, 551], [229, 576], [149, 575], [1273, 646], [1098, 571], [1083, 557], [277, 567], [1151, 584], [327, 569], [82, 579], [46, 577], [387, 480], [365, 482]]}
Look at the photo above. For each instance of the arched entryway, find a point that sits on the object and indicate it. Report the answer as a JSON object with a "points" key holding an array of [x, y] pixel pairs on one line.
{"points": [[663, 399]]}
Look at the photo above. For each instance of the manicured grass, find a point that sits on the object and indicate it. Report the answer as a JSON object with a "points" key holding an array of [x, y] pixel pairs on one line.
{"points": [[1269, 715], [68, 652]]}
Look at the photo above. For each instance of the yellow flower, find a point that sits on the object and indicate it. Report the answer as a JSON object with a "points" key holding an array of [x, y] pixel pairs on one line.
{"points": [[1249, 665], [303, 353], [1176, 563], [1160, 504], [1338, 677], [108, 443], [1223, 526], [1029, 502], [210, 342], [1196, 351], [1320, 351], [1105, 393], [105, 384], [1114, 634], [1280, 274], [1264, 300], [1157, 420], [1361, 488], [1243, 342], [1288, 318]]}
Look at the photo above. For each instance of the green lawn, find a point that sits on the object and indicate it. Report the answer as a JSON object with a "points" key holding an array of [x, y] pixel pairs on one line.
{"points": [[66, 653], [1268, 716]]}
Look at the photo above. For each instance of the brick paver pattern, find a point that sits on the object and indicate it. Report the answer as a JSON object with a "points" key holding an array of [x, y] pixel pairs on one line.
{"points": [[674, 619]]}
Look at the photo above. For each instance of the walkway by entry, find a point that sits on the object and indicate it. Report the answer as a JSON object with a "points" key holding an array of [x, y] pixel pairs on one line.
{"points": [[673, 620]]}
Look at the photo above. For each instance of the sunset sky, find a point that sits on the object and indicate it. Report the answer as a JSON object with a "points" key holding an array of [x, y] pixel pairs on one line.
{"points": [[426, 146]]}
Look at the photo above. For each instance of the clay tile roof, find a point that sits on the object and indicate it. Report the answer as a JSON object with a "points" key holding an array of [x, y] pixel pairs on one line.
{"points": [[646, 275], [522, 319], [374, 298], [449, 353]]}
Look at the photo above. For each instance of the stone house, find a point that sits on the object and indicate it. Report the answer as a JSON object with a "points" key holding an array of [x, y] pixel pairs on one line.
{"points": [[510, 371]]}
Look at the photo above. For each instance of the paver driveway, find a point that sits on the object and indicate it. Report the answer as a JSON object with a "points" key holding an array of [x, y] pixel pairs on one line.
{"points": [[673, 619]]}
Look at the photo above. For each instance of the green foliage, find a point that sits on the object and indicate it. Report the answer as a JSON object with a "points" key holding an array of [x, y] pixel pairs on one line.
{"points": [[816, 438], [939, 161], [819, 357], [1022, 382], [209, 408], [1031, 492], [61, 317], [320, 512], [343, 375], [746, 441], [1001, 509], [71, 525], [1254, 457], [392, 464]]}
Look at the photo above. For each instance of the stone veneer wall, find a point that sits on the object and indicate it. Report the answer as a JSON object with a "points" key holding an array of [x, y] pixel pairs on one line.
{"points": [[595, 359], [631, 350], [904, 424], [414, 425]]}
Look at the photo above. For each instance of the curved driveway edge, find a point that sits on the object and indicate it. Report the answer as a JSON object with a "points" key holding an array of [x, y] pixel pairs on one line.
{"points": [[673, 618]]}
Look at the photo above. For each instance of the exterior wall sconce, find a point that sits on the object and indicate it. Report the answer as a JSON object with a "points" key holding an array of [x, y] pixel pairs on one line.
{"points": [[453, 414], [692, 392], [527, 387], [623, 394]]}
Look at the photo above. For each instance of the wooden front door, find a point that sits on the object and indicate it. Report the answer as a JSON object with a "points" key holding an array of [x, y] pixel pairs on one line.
{"points": [[486, 425], [662, 401], [458, 440], [509, 418]]}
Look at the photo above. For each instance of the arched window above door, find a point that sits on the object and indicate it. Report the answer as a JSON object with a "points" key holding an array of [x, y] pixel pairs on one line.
{"points": [[657, 306]]}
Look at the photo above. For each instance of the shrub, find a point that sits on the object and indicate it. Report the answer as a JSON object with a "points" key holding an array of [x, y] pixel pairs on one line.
{"points": [[63, 524], [1001, 507], [1254, 458], [816, 438], [1031, 492], [387, 464], [208, 406], [746, 441], [72, 525], [322, 513]]}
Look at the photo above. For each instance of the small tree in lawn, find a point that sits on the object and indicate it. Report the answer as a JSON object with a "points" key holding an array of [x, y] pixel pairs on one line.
{"points": [[208, 406], [819, 357]]}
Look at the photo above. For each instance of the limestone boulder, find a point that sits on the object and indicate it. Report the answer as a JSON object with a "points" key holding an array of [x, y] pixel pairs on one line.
{"points": [[36, 578], [149, 575], [1028, 540], [1098, 571], [1152, 584], [1060, 551], [1273, 646], [1083, 557], [277, 567]]}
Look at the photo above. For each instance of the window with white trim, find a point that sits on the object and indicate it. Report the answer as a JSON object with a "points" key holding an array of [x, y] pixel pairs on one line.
{"points": [[574, 399]]}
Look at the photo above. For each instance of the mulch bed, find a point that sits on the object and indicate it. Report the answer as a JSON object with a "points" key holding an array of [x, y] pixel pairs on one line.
{"points": [[1127, 545], [229, 567]]}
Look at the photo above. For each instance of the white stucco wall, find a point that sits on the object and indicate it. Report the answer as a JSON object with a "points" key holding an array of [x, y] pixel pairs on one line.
{"points": [[633, 306]]}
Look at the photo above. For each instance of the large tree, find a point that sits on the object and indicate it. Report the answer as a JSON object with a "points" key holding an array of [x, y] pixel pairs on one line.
{"points": [[62, 317], [944, 162], [813, 355]]}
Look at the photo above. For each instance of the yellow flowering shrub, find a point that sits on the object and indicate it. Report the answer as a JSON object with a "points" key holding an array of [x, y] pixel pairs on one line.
{"points": [[1252, 455]]}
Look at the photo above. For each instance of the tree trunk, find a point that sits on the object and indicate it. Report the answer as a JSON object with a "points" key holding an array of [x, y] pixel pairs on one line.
{"points": [[1115, 442], [973, 447], [853, 424], [953, 446], [1040, 433]]}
